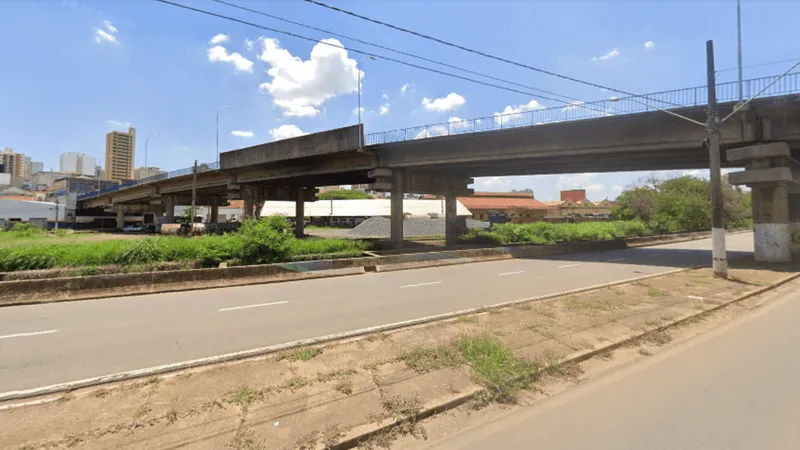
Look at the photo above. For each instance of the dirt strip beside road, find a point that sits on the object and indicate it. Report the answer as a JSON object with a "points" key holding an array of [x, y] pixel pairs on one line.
{"points": [[347, 393]]}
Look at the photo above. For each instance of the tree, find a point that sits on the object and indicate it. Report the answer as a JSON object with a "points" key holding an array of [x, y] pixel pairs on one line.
{"points": [[681, 204], [526, 190], [344, 195]]}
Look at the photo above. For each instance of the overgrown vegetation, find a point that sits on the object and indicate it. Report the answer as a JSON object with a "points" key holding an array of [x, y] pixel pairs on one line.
{"points": [[261, 241], [495, 366], [682, 204], [655, 206], [344, 194], [552, 233]]}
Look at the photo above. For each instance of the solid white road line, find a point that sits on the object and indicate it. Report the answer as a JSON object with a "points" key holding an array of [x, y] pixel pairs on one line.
{"points": [[511, 273], [420, 284], [616, 259], [35, 333], [251, 306], [568, 265]]}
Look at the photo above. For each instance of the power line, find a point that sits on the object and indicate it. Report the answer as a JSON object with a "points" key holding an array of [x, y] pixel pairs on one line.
{"points": [[333, 33], [759, 65], [223, 2], [361, 52], [478, 52]]}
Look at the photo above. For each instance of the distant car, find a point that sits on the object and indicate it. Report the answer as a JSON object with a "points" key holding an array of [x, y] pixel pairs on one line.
{"points": [[149, 228], [132, 229]]}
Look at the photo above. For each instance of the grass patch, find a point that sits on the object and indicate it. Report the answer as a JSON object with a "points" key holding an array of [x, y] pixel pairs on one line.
{"points": [[244, 396], [297, 382], [468, 319], [300, 354], [552, 233], [345, 387], [525, 307], [653, 292], [496, 368], [267, 240], [423, 360], [590, 306], [334, 375], [656, 337]]}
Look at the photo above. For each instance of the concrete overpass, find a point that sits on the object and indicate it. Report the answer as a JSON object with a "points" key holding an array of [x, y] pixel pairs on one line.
{"points": [[443, 158]]}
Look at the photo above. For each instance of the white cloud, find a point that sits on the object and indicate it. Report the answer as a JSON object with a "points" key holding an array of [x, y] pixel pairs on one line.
{"points": [[384, 109], [576, 181], [119, 124], [106, 35], [454, 125], [355, 111], [298, 87], [511, 113], [617, 189], [243, 134], [572, 106], [285, 132], [111, 28], [407, 89], [385, 97], [493, 184], [248, 44], [219, 39], [612, 54], [595, 188], [219, 53], [649, 45], [452, 102]]}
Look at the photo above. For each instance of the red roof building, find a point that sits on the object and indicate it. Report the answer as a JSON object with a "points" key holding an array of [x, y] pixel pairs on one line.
{"points": [[576, 195]]}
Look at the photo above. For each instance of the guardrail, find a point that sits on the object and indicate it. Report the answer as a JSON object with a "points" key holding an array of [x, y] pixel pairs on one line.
{"points": [[205, 167], [679, 98]]}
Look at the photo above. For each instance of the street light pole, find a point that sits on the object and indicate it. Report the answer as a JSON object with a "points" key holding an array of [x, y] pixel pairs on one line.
{"points": [[218, 111], [719, 255], [146, 142], [360, 132], [739, 33]]}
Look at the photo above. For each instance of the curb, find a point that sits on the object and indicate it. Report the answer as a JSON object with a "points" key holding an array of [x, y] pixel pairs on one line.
{"points": [[58, 289], [263, 351], [360, 437]]}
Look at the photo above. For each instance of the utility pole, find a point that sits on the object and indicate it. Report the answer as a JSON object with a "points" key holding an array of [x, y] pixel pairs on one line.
{"points": [[739, 35], [719, 254], [194, 197], [57, 202]]}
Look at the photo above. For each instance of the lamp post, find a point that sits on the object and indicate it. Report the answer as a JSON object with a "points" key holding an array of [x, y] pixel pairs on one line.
{"points": [[146, 142], [218, 111], [360, 132], [739, 37]]}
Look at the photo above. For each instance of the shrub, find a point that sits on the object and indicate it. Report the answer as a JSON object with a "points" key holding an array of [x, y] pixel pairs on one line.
{"points": [[551, 233]]}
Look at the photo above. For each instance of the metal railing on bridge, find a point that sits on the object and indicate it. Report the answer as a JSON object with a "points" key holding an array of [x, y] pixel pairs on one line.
{"points": [[205, 167], [679, 98]]}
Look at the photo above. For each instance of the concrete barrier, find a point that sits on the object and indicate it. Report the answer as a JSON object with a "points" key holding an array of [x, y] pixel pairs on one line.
{"points": [[99, 286]]}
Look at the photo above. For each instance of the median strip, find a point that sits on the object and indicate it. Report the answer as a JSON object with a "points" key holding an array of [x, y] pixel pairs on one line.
{"points": [[374, 389]]}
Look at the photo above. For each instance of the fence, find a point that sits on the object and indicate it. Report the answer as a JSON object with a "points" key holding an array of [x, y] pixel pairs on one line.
{"points": [[164, 176], [680, 98]]}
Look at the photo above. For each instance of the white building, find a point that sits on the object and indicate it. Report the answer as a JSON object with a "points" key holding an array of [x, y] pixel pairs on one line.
{"points": [[78, 163], [361, 208], [5, 179], [25, 210]]}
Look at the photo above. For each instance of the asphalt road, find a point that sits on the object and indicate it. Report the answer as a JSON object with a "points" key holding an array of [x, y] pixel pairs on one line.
{"points": [[737, 388], [47, 344]]}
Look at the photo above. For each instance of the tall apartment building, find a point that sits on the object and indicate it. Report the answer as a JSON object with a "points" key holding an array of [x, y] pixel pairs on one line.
{"points": [[119, 154], [13, 163], [141, 173], [36, 167], [77, 163]]}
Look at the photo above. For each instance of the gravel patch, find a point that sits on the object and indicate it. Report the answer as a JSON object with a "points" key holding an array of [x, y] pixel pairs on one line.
{"points": [[412, 226]]}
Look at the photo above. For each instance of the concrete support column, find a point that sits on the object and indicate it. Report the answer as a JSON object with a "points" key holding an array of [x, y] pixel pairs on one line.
{"points": [[454, 225], [169, 206], [398, 186], [249, 201], [794, 222], [299, 213], [215, 210], [773, 240], [120, 220]]}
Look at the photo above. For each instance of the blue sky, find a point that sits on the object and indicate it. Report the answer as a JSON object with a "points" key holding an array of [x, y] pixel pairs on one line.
{"points": [[75, 70]]}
